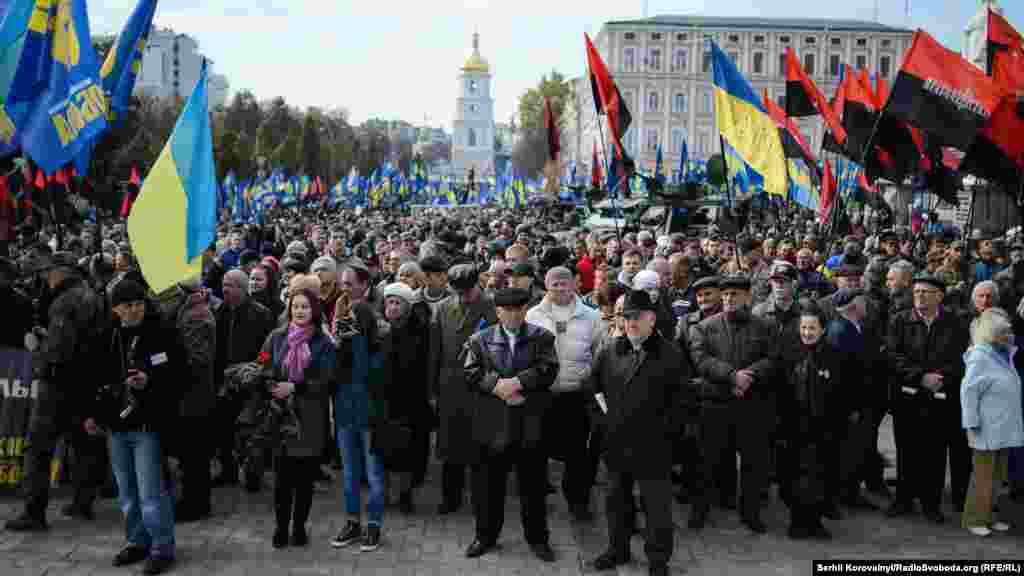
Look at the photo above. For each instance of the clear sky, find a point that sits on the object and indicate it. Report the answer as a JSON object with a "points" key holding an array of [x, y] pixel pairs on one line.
{"points": [[399, 59]]}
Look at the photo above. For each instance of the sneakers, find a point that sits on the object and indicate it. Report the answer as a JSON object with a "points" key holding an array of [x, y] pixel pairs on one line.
{"points": [[130, 555], [981, 531], [1001, 527], [352, 533], [372, 540]]}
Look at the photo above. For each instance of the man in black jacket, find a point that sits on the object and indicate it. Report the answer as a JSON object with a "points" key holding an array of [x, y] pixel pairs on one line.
{"points": [[76, 325], [510, 369], [735, 353], [638, 381]]}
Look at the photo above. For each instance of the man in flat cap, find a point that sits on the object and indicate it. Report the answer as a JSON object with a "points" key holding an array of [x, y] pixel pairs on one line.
{"points": [[735, 352], [79, 322], [522, 276], [454, 320], [925, 347], [637, 380], [509, 370]]}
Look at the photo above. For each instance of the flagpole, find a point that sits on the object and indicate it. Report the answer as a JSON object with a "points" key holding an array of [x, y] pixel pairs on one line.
{"points": [[728, 183], [611, 196]]}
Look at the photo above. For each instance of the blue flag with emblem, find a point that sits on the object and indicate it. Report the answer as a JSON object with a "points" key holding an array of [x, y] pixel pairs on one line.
{"points": [[14, 17], [58, 73], [123, 63]]}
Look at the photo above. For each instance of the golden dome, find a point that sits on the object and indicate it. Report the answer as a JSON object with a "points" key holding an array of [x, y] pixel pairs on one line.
{"points": [[476, 62]]}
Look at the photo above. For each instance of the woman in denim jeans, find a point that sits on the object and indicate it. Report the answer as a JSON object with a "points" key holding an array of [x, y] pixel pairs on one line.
{"points": [[360, 367], [146, 371]]}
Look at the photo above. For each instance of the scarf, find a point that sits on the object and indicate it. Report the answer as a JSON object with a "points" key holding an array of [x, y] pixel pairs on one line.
{"points": [[296, 360]]}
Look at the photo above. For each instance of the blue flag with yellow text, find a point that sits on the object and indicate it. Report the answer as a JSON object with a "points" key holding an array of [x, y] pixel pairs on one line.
{"points": [[14, 17], [745, 124], [175, 217], [121, 68], [58, 73]]}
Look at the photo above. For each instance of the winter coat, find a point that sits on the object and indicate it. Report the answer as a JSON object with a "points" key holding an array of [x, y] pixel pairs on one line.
{"points": [[914, 350], [720, 348], [240, 335], [860, 353], [310, 398], [446, 375], [646, 397], [990, 399], [576, 344], [189, 314], [496, 425], [355, 407], [814, 404]]}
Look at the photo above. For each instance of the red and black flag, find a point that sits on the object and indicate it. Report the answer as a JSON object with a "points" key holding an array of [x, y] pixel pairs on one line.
{"points": [[837, 105], [1002, 37], [828, 195], [131, 192], [804, 99], [595, 170], [860, 114], [551, 127], [943, 94], [608, 101], [794, 145], [998, 152]]}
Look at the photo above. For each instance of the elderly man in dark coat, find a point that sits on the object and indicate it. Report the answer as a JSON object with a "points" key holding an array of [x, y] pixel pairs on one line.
{"points": [[455, 319], [510, 369], [736, 354], [639, 381]]}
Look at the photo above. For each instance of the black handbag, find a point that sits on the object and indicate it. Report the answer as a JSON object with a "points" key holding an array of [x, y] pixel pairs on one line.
{"points": [[390, 438]]}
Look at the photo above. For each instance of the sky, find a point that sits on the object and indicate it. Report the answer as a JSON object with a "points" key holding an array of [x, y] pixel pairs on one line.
{"points": [[400, 59]]}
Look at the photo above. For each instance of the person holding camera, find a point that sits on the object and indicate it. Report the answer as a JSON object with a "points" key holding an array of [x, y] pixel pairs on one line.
{"points": [[145, 368]]}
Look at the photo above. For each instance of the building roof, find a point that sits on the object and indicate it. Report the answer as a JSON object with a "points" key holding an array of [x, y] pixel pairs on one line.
{"points": [[694, 21]]}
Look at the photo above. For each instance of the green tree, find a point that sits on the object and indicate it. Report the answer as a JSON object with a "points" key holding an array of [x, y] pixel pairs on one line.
{"points": [[530, 152], [311, 144]]}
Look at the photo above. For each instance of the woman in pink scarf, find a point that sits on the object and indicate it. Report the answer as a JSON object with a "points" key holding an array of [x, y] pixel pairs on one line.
{"points": [[300, 356]]}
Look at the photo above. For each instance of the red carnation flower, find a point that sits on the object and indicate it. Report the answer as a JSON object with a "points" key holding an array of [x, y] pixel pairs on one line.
{"points": [[264, 358]]}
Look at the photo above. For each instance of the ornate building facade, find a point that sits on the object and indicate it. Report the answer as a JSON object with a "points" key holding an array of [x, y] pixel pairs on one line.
{"points": [[662, 66]]}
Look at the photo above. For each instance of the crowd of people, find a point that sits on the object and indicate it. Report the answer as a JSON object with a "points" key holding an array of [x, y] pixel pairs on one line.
{"points": [[496, 340]]}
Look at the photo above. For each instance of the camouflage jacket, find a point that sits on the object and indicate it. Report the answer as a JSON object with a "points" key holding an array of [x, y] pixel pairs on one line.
{"points": [[190, 315]]}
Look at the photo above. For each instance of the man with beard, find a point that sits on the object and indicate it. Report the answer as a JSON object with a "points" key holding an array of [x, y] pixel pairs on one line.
{"points": [[735, 353], [455, 319]]}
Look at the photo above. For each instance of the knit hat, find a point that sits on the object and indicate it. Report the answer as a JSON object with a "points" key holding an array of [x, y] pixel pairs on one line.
{"points": [[309, 282], [324, 264], [399, 290], [127, 290]]}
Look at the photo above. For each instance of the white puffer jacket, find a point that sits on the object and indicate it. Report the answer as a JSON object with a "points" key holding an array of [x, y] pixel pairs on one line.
{"points": [[576, 345]]}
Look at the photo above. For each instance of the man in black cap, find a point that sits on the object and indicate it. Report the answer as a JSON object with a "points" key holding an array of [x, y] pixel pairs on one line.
{"points": [[637, 382], [78, 323], [509, 369], [925, 347], [735, 353], [522, 276], [455, 319]]}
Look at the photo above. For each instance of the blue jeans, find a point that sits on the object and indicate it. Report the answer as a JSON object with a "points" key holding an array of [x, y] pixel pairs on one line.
{"points": [[144, 495], [355, 454]]}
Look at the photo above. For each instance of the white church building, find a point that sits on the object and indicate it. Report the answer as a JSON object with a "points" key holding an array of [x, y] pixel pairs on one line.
{"points": [[473, 128]]}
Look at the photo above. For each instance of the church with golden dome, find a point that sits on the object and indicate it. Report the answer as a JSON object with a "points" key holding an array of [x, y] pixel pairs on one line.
{"points": [[473, 128]]}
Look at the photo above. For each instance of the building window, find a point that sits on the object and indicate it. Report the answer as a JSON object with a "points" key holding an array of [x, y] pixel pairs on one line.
{"points": [[654, 59], [706, 107], [679, 59], [781, 100], [628, 96], [655, 36], [809, 63], [834, 64], [862, 42], [884, 65], [628, 59], [862, 61], [735, 57], [783, 39], [782, 65], [472, 86], [652, 139], [652, 101], [886, 43], [472, 137], [679, 103], [810, 40], [705, 64], [758, 62], [681, 37], [837, 42], [631, 141], [759, 39], [734, 38], [703, 144], [678, 135], [629, 36]]}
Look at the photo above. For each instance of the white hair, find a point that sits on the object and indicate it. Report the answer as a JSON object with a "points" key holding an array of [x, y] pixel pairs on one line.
{"points": [[992, 324], [987, 284]]}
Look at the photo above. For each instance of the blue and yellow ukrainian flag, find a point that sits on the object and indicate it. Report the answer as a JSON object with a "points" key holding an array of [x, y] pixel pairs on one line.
{"points": [[175, 217], [121, 68], [745, 124]]}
